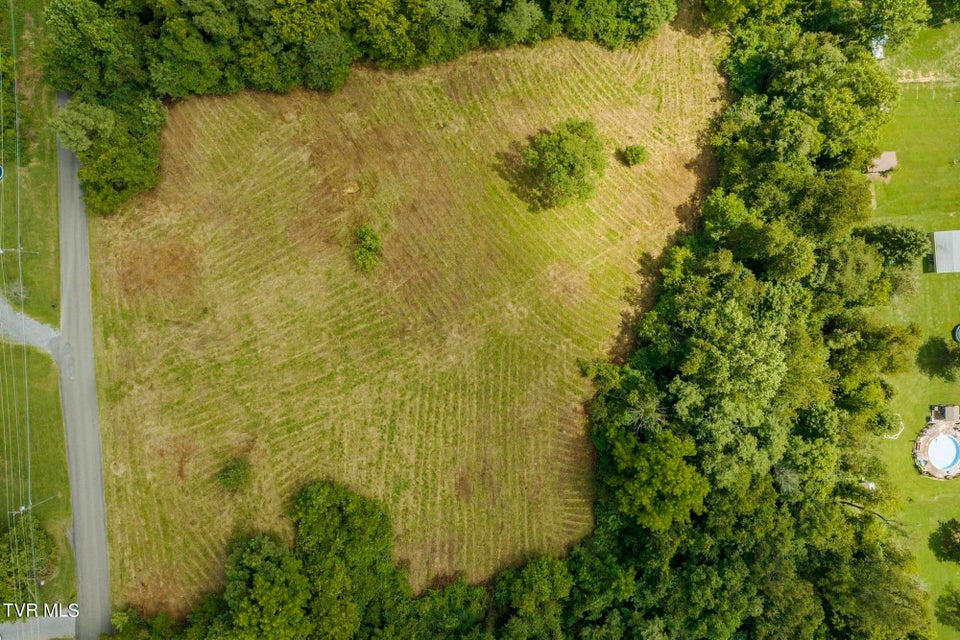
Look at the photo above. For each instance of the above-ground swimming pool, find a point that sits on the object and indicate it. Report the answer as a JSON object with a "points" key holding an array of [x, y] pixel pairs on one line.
{"points": [[944, 452]]}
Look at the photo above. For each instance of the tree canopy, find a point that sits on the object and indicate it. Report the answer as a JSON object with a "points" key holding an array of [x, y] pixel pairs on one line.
{"points": [[563, 165]]}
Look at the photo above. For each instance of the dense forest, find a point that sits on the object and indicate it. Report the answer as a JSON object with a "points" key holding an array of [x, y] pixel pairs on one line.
{"points": [[731, 462]]}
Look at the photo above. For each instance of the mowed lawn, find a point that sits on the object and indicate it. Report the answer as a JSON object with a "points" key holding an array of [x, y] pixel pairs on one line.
{"points": [[933, 55], [30, 214], [924, 192], [35, 459], [33, 456], [231, 320]]}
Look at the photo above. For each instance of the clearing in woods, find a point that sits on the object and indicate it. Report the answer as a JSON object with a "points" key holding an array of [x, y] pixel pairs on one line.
{"points": [[233, 322]]}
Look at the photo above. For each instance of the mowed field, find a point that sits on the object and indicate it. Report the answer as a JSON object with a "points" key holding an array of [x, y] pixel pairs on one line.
{"points": [[33, 457], [232, 320], [30, 213], [934, 56], [924, 192]]}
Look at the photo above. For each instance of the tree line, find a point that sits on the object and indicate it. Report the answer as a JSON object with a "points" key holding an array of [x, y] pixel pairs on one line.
{"points": [[121, 60], [732, 459]]}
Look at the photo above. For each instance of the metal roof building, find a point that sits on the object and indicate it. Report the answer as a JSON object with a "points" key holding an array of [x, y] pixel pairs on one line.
{"points": [[946, 251]]}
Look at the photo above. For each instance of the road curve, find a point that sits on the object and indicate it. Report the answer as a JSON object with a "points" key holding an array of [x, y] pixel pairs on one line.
{"points": [[78, 395]]}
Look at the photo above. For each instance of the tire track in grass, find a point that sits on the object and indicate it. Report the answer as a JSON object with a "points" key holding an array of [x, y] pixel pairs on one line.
{"points": [[460, 305]]}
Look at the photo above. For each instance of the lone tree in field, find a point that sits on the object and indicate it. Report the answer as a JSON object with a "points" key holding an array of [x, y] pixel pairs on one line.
{"points": [[563, 165]]}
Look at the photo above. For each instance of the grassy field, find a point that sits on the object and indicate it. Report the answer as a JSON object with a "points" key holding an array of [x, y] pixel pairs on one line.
{"points": [[29, 391], [232, 320], [933, 56], [925, 192], [46, 451], [37, 202]]}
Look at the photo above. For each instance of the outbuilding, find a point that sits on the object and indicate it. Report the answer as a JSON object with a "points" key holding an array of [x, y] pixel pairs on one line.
{"points": [[946, 251]]}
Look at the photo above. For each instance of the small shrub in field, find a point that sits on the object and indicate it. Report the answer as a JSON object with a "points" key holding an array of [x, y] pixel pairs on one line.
{"points": [[563, 165], [367, 253], [634, 155], [235, 475]]}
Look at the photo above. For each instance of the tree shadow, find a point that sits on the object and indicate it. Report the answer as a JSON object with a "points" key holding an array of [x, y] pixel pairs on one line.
{"points": [[935, 360], [704, 166], [947, 608], [640, 299], [510, 166], [944, 542], [443, 581], [690, 18], [942, 11]]}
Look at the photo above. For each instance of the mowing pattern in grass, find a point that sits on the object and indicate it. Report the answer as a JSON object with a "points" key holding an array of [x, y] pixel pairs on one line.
{"points": [[234, 322], [925, 192]]}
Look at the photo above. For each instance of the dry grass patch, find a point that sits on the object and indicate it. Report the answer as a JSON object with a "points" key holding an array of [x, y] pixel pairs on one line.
{"points": [[445, 383], [168, 269]]}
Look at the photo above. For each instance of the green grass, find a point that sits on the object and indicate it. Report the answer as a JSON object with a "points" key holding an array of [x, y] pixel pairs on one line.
{"points": [[924, 192], [233, 322], [933, 55], [47, 466], [35, 201], [29, 219]]}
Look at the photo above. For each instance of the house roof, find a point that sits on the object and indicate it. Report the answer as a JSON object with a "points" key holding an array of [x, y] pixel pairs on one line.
{"points": [[946, 251]]}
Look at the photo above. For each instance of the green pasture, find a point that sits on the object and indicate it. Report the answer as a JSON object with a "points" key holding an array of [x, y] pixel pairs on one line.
{"points": [[30, 198], [231, 320]]}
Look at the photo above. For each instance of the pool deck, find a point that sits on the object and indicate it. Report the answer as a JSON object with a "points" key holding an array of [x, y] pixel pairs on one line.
{"points": [[933, 430]]}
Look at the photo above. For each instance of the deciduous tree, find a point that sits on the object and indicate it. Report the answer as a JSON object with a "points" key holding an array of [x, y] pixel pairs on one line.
{"points": [[565, 163]]}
